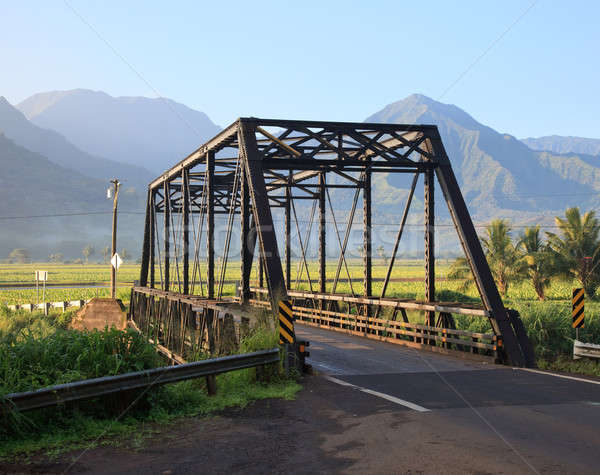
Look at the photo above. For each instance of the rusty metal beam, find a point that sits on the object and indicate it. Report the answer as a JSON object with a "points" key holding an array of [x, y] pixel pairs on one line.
{"points": [[167, 235], [210, 223], [146, 243], [267, 239], [429, 242], [322, 234], [367, 248], [152, 256], [186, 230]]}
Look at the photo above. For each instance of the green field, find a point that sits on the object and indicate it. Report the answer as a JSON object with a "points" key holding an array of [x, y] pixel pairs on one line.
{"points": [[66, 274], [548, 322]]}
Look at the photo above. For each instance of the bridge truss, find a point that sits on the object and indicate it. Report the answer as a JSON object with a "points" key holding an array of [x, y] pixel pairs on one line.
{"points": [[255, 166]]}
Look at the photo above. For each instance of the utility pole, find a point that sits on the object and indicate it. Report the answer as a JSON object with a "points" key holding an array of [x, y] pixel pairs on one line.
{"points": [[113, 270]]}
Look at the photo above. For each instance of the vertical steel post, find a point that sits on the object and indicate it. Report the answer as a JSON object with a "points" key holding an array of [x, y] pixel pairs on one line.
{"points": [[210, 222], [263, 218], [429, 242], [367, 251], [167, 232], [146, 244], [248, 238], [152, 236], [322, 235], [288, 228], [185, 177]]}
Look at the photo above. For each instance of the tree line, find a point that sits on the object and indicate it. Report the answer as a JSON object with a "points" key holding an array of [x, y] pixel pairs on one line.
{"points": [[571, 253]]}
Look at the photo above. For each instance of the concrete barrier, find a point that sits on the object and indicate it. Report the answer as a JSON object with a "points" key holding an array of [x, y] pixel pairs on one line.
{"points": [[47, 305]]}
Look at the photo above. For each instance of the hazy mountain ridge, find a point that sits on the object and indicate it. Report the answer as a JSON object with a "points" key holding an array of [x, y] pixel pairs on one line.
{"points": [[59, 150], [564, 144], [153, 133], [499, 175], [32, 185]]}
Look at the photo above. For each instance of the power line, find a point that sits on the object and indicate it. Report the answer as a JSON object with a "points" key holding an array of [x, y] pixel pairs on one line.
{"points": [[413, 225], [90, 213]]}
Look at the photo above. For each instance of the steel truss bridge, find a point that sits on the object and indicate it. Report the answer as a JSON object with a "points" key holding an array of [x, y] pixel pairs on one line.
{"points": [[255, 166]]}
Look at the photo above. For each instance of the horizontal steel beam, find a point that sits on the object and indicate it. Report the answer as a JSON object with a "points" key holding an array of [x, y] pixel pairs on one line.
{"points": [[91, 388], [337, 125], [387, 302], [228, 138]]}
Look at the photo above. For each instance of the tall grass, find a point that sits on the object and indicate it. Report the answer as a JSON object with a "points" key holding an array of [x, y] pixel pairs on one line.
{"points": [[39, 351]]}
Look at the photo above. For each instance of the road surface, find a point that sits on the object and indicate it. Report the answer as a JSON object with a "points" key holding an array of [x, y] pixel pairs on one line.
{"points": [[377, 408], [477, 417]]}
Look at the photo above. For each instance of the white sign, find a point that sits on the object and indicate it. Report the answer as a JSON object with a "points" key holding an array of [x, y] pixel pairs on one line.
{"points": [[41, 275], [116, 261]]}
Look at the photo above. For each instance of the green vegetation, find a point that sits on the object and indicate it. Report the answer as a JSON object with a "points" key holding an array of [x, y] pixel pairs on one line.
{"points": [[537, 260], [502, 254], [577, 251], [37, 351]]}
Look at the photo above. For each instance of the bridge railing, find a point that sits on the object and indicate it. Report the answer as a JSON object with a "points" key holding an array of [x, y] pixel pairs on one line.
{"points": [[183, 325], [362, 316]]}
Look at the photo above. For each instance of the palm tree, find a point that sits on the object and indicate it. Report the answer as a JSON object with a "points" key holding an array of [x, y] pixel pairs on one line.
{"points": [[381, 252], [106, 253], [504, 258], [576, 252], [538, 260], [87, 252], [460, 270]]}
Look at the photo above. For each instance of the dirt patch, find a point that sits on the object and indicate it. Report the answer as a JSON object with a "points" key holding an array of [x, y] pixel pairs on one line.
{"points": [[99, 313]]}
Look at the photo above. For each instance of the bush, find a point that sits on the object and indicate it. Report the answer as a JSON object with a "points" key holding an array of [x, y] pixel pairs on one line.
{"points": [[64, 356], [548, 326]]}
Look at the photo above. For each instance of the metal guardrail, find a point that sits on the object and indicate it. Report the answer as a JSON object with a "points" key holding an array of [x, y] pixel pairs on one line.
{"points": [[96, 387], [587, 350]]}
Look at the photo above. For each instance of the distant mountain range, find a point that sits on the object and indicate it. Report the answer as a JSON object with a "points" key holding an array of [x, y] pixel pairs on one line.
{"points": [[149, 133], [500, 175], [58, 150], [61, 151], [77, 213], [560, 144]]}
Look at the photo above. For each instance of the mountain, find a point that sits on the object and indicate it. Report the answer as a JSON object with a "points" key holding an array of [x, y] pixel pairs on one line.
{"points": [[59, 150], [560, 144], [151, 133], [499, 175], [77, 211]]}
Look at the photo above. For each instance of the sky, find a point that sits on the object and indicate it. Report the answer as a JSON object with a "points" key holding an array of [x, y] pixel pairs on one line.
{"points": [[521, 69]]}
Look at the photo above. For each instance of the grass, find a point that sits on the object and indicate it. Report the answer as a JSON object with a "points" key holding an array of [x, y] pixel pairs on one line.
{"points": [[37, 351]]}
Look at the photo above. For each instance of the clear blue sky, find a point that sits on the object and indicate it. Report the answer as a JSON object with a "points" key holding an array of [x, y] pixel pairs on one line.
{"points": [[330, 60]]}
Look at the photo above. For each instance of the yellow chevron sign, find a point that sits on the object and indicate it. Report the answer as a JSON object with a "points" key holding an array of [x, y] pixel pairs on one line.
{"points": [[578, 308], [286, 322]]}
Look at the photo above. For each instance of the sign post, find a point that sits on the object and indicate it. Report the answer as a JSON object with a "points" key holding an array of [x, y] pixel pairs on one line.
{"points": [[116, 262], [41, 276]]}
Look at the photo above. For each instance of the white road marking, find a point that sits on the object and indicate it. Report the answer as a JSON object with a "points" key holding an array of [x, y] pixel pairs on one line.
{"points": [[401, 402], [583, 380]]}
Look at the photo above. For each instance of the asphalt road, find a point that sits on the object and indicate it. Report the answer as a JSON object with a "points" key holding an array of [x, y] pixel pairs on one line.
{"points": [[464, 416]]}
